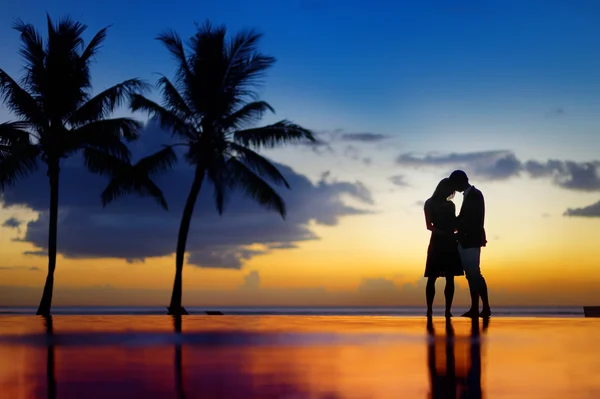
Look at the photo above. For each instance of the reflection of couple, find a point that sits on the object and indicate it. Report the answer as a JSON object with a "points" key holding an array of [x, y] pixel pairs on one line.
{"points": [[455, 245], [450, 377]]}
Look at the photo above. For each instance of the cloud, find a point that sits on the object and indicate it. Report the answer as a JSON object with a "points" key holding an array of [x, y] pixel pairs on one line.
{"points": [[556, 112], [581, 176], [489, 165], [364, 137], [398, 180], [377, 285], [370, 292], [591, 211], [503, 164], [252, 280], [335, 143], [320, 147], [137, 228], [42, 252], [351, 152], [27, 268], [12, 223]]}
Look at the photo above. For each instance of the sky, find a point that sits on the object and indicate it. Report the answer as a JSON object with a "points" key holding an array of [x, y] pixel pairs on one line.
{"points": [[399, 94]]}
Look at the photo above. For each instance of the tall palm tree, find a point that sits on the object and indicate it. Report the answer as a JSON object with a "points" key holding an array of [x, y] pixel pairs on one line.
{"points": [[58, 116], [210, 105]]}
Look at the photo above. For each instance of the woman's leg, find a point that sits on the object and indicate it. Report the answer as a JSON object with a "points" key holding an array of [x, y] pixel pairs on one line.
{"points": [[449, 294], [430, 294]]}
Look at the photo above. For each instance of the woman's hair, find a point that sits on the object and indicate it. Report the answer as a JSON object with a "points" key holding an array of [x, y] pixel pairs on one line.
{"points": [[444, 189]]}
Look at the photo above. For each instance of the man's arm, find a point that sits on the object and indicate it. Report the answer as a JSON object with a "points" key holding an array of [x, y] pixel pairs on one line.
{"points": [[479, 216], [472, 221]]}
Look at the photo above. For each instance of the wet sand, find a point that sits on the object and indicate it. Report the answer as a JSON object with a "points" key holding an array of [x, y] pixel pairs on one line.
{"points": [[297, 357]]}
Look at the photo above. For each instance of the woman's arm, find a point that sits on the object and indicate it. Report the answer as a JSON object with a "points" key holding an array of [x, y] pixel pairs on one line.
{"points": [[429, 223]]}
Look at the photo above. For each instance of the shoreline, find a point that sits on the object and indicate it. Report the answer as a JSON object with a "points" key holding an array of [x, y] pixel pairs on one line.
{"points": [[406, 311]]}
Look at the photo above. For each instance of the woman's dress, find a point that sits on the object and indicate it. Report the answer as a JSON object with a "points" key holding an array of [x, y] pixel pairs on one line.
{"points": [[443, 258]]}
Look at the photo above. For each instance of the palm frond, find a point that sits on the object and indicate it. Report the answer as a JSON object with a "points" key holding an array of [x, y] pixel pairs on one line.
{"points": [[173, 101], [149, 188], [12, 133], [255, 187], [68, 80], [249, 113], [240, 48], [247, 66], [158, 162], [132, 179], [104, 134], [19, 101], [64, 37], [270, 136], [93, 46], [17, 161], [208, 64], [218, 174], [103, 163], [174, 45], [126, 185], [167, 119], [32, 50], [258, 163], [104, 103]]}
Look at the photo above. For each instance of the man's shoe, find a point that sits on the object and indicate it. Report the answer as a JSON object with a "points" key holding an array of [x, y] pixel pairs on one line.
{"points": [[471, 313]]}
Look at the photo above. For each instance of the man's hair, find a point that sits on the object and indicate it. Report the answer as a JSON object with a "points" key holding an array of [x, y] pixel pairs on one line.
{"points": [[459, 176]]}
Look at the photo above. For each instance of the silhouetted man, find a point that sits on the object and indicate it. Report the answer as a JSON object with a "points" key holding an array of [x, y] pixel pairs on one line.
{"points": [[471, 237]]}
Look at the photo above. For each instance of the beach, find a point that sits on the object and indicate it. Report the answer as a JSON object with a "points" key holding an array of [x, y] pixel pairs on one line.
{"points": [[297, 356]]}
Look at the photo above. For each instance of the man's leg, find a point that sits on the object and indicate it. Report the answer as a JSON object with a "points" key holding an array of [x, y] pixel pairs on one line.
{"points": [[486, 312], [470, 261]]}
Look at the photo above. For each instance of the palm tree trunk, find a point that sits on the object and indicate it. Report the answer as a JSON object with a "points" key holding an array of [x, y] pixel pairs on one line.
{"points": [[175, 307], [46, 302]]}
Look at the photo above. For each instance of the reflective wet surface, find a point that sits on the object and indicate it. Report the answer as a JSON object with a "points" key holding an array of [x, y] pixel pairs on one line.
{"points": [[296, 357]]}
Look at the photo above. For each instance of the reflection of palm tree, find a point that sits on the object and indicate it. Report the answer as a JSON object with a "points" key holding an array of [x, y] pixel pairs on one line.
{"points": [[210, 106], [445, 383], [57, 116], [50, 373], [178, 359]]}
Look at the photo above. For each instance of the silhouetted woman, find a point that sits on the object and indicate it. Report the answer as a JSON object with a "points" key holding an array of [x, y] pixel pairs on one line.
{"points": [[443, 259]]}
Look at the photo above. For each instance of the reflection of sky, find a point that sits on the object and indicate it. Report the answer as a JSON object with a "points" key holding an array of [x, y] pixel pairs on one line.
{"points": [[514, 354]]}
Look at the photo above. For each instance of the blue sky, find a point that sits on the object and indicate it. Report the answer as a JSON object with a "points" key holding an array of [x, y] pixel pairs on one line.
{"points": [[474, 71]]}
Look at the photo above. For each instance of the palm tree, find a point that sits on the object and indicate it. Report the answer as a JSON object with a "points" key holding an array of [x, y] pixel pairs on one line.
{"points": [[209, 106], [57, 115]]}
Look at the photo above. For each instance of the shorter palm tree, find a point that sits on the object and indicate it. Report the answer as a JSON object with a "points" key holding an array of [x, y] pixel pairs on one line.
{"points": [[210, 107]]}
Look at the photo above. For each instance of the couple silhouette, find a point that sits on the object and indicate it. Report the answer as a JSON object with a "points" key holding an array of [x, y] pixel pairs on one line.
{"points": [[455, 244]]}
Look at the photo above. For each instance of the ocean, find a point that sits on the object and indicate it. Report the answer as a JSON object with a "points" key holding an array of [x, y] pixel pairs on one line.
{"points": [[515, 311]]}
